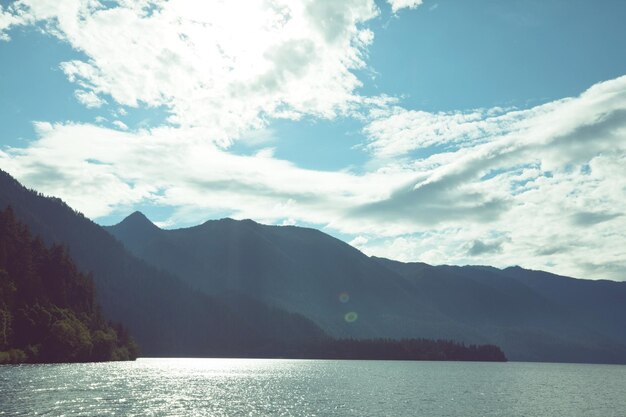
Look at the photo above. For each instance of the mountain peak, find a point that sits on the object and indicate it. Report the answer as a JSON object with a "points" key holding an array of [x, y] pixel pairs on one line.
{"points": [[137, 216], [137, 220]]}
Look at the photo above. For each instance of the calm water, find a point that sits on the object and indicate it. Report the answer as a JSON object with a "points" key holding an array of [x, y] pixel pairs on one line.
{"points": [[253, 387]]}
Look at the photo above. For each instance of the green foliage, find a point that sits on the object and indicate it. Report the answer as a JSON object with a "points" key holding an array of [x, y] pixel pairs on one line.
{"points": [[5, 326], [13, 356], [69, 340], [47, 308], [104, 344]]}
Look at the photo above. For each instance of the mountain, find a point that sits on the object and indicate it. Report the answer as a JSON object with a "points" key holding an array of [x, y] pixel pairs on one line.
{"points": [[48, 311], [166, 316], [532, 316], [239, 288], [598, 304], [296, 269]]}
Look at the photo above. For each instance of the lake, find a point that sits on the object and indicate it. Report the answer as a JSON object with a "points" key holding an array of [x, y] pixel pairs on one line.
{"points": [[277, 387]]}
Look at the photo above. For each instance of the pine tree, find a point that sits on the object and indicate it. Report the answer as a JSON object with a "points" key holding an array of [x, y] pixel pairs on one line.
{"points": [[47, 307]]}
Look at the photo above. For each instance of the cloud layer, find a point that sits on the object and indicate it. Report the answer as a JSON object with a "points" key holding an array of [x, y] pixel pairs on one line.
{"points": [[543, 187], [547, 193]]}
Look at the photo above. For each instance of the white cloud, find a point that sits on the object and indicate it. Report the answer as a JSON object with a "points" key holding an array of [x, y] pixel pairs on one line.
{"points": [[223, 65], [543, 187], [548, 195], [545, 183], [178, 168], [396, 131], [89, 98], [359, 241], [120, 125], [10, 16], [401, 4]]}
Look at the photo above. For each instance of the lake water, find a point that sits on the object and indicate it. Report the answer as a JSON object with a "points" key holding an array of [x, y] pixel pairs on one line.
{"points": [[259, 387]]}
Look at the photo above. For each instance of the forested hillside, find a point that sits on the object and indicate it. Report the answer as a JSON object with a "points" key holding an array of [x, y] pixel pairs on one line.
{"points": [[48, 309]]}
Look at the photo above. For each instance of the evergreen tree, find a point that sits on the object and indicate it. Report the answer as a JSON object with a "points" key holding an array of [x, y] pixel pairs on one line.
{"points": [[47, 307]]}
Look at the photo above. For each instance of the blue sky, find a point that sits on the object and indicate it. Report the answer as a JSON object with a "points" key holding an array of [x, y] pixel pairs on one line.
{"points": [[458, 132]]}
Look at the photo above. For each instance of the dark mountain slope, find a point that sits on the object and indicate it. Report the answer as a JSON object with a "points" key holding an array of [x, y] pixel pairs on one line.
{"points": [[514, 309], [164, 314], [298, 269], [599, 304], [48, 311], [304, 270]]}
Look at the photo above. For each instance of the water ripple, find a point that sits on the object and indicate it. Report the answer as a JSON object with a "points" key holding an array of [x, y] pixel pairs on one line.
{"points": [[250, 387]]}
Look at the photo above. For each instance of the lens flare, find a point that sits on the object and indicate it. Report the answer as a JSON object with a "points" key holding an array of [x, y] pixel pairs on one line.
{"points": [[351, 317], [344, 297]]}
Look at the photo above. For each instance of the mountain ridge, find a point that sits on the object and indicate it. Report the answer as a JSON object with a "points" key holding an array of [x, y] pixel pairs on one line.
{"points": [[167, 317], [313, 284], [262, 261], [475, 304]]}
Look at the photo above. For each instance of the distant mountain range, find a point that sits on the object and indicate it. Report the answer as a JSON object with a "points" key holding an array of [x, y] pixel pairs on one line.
{"points": [[532, 315], [267, 287]]}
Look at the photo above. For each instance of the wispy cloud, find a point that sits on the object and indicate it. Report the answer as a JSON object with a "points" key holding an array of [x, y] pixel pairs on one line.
{"points": [[558, 178], [402, 4], [395, 131], [545, 177], [120, 125], [9, 17], [89, 98], [179, 168]]}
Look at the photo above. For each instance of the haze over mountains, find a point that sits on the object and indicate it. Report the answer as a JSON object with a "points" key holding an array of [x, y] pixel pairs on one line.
{"points": [[264, 286]]}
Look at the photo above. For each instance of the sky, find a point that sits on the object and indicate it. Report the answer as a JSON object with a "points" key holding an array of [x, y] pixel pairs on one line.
{"points": [[442, 131]]}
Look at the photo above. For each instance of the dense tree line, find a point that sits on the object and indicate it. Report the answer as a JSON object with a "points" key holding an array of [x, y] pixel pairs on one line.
{"points": [[375, 349], [48, 310], [406, 349]]}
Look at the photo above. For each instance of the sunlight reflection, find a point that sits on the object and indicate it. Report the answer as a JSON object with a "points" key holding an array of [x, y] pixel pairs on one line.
{"points": [[217, 367]]}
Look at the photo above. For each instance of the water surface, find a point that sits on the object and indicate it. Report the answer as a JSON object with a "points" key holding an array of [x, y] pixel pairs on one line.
{"points": [[266, 387]]}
